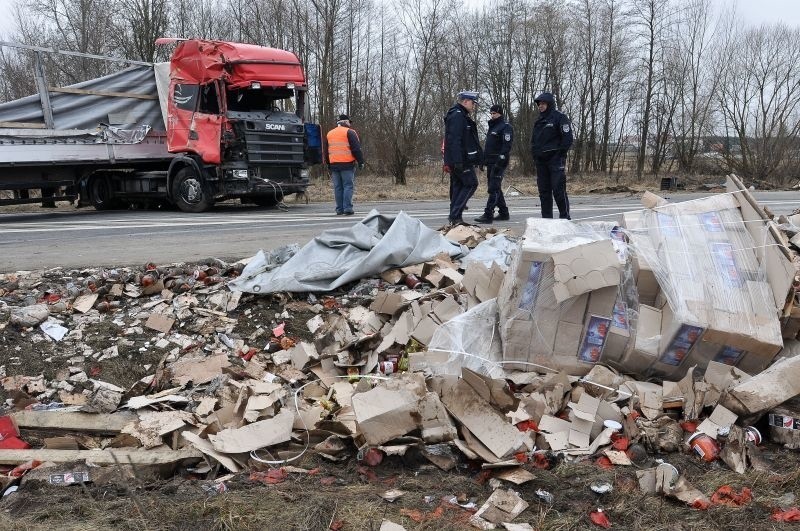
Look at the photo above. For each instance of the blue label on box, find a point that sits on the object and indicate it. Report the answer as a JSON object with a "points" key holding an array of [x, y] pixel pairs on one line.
{"points": [[722, 254], [667, 225], [729, 356], [594, 339], [620, 317], [711, 222], [681, 344], [531, 290]]}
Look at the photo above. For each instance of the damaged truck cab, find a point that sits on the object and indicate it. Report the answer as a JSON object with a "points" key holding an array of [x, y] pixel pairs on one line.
{"points": [[221, 120], [235, 119]]}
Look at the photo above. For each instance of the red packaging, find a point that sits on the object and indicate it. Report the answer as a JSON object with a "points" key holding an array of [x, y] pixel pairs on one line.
{"points": [[9, 435], [706, 447]]}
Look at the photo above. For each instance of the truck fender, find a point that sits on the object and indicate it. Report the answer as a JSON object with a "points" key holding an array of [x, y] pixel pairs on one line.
{"points": [[176, 165]]}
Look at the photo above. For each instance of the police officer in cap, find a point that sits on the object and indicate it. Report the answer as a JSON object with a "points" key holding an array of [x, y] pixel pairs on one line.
{"points": [[497, 151], [550, 141], [462, 152]]}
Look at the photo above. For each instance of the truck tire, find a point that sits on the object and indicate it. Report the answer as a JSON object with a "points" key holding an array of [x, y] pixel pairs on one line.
{"points": [[267, 200], [190, 192], [100, 194]]}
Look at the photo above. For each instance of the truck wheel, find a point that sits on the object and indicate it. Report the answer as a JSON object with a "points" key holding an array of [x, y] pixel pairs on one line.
{"points": [[190, 193], [267, 200], [100, 194]]}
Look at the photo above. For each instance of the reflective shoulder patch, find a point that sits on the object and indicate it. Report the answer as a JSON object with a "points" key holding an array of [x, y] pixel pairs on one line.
{"points": [[507, 137], [565, 128]]}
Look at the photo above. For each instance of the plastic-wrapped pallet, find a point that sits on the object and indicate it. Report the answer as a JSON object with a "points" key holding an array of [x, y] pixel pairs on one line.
{"points": [[561, 305], [713, 301]]}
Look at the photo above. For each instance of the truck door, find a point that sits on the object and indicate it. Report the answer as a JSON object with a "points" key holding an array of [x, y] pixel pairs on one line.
{"points": [[195, 121]]}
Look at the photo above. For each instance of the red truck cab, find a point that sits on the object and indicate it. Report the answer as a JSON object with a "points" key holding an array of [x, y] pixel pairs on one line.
{"points": [[235, 116]]}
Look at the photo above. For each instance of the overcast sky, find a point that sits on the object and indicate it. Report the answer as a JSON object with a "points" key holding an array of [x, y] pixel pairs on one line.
{"points": [[752, 11]]}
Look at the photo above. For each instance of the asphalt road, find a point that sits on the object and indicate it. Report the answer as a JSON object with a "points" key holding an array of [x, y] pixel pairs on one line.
{"points": [[89, 238]]}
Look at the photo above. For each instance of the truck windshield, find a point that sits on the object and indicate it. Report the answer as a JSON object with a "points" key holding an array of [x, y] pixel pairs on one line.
{"points": [[260, 100]]}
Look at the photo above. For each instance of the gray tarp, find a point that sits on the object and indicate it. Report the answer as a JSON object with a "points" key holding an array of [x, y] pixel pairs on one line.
{"points": [[87, 111], [339, 256]]}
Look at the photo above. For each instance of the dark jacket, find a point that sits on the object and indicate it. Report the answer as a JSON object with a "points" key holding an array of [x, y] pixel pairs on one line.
{"points": [[497, 149], [461, 144], [355, 149], [552, 132]]}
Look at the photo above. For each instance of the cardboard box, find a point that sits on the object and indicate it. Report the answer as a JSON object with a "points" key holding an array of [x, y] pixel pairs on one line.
{"points": [[772, 254], [568, 339], [574, 310], [584, 268], [648, 333], [764, 391], [702, 253], [602, 301]]}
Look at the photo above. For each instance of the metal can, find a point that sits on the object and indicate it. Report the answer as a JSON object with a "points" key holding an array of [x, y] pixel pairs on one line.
{"points": [[704, 446], [412, 281], [386, 367], [353, 374], [753, 435]]}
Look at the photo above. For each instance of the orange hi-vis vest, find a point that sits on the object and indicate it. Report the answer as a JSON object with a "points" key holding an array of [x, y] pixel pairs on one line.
{"points": [[339, 146]]}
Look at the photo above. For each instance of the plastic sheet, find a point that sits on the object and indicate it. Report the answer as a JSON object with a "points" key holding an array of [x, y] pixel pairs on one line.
{"points": [[339, 256], [498, 250], [568, 300], [469, 340], [714, 299]]}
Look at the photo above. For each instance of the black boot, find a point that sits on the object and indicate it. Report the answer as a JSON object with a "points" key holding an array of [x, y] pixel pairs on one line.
{"points": [[502, 217], [484, 219]]}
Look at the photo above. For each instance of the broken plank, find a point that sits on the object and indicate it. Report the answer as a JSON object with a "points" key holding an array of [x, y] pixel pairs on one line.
{"points": [[73, 420], [100, 457], [69, 90]]}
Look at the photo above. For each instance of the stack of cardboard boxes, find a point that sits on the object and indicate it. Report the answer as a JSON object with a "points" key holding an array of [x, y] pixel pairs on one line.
{"points": [[560, 304], [689, 288], [712, 300]]}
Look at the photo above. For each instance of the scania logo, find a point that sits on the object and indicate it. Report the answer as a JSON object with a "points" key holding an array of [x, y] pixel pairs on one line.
{"points": [[275, 127]]}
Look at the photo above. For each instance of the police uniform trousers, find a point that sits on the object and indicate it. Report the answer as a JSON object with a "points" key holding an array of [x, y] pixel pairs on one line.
{"points": [[551, 178], [464, 184]]}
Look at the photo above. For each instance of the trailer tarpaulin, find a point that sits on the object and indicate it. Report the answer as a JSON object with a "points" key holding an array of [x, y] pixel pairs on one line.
{"points": [[86, 111], [339, 256]]}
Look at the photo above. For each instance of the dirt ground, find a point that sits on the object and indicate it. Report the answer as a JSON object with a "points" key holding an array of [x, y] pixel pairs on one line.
{"points": [[347, 497]]}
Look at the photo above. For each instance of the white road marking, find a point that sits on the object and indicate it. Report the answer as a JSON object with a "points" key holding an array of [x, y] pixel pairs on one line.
{"points": [[283, 218]]}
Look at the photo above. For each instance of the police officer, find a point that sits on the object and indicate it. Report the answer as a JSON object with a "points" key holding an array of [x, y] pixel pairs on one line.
{"points": [[462, 152], [550, 141], [497, 150]]}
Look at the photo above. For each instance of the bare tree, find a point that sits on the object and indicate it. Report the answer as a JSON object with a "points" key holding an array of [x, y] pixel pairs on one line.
{"points": [[139, 23], [694, 80], [407, 118], [650, 18], [759, 101]]}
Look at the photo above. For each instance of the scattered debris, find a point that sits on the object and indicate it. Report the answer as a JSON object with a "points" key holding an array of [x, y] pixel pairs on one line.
{"points": [[577, 342]]}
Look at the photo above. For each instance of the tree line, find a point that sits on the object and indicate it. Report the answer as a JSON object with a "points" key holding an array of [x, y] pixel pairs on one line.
{"points": [[652, 86]]}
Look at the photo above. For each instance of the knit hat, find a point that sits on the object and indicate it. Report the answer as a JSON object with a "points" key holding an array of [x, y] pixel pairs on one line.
{"points": [[343, 117], [496, 108]]}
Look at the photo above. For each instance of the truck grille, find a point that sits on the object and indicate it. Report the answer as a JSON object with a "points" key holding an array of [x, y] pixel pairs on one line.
{"points": [[275, 147]]}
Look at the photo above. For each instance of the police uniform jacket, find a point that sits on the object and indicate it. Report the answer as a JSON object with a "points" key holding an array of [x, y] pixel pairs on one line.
{"points": [[498, 141], [552, 133], [461, 144]]}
